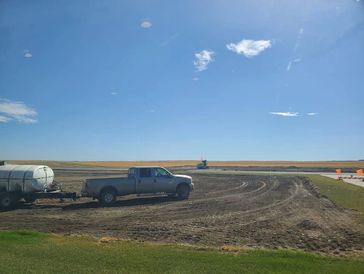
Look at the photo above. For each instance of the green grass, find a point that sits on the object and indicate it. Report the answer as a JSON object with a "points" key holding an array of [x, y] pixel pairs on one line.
{"points": [[343, 194], [33, 252], [20, 236]]}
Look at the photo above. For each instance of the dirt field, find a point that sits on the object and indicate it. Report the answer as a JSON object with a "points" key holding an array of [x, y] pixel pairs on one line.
{"points": [[224, 209]]}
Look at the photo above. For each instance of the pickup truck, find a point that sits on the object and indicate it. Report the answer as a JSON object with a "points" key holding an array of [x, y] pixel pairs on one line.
{"points": [[140, 180]]}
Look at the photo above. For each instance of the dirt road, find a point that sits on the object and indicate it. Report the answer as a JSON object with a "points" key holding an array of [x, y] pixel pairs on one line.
{"points": [[249, 210]]}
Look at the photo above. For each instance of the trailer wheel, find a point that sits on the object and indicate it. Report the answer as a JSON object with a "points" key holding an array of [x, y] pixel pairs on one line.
{"points": [[30, 200], [7, 200], [107, 197], [183, 191]]}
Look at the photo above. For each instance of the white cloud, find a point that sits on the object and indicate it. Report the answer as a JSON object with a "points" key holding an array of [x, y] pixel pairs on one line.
{"points": [[4, 119], [18, 111], [249, 48], [146, 24], [312, 113], [286, 114], [27, 54], [203, 59], [114, 91], [195, 78]]}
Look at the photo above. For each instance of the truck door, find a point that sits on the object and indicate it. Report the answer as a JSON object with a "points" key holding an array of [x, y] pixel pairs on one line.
{"points": [[145, 181], [164, 181]]}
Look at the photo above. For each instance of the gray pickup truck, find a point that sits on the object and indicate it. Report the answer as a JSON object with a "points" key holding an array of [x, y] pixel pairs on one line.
{"points": [[140, 180]]}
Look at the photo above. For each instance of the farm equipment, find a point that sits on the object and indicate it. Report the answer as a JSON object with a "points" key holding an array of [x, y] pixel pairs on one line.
{"points": [[202, 165], [29, 182]]}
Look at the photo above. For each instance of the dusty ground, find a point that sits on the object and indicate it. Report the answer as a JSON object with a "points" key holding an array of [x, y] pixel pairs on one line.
{"points": [[223, 210]]}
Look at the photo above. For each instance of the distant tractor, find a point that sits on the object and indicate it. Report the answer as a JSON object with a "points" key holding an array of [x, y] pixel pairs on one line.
{"points": [[202, 165]]}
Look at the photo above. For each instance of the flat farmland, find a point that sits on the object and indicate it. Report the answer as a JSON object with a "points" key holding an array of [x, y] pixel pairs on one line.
{"points": [[185, 163], [224, 210]]}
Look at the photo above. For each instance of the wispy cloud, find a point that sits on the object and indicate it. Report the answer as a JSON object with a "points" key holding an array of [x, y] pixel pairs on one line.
{"points": [[290, 63], [295, 47], [114, 91], [195, 78], [4, 119], [249, 48], [298, 40], [17, 111], [146, 24], [312, 113], [27, 54], [169, 40], [286, 114], [203, 59]]}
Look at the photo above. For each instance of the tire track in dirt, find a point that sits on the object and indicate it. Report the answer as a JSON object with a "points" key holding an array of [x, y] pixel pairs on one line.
{"points": [[239, 194], [242, 186], [203, 200], [274, 205]]}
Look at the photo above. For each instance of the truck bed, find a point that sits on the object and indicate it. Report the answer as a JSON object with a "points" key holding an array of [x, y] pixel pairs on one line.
{"points": [[123, 185]]}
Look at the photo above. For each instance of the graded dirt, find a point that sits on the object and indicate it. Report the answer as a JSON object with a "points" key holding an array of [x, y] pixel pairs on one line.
{"points": [[223, 210]]}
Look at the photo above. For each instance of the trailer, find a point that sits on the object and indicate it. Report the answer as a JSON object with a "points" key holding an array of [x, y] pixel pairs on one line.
{"points": [[29, 183], [8, 200]]}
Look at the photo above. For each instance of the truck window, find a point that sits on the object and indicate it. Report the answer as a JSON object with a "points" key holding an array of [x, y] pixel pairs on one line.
{"points": [[145, 172], [160, 172], [131, 173]]}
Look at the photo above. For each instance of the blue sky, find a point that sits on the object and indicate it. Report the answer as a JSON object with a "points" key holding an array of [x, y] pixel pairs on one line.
{"points": [[144, 80]]}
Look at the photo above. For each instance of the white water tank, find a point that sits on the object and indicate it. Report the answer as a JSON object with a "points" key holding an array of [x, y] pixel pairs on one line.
{"points": [[25, 178]]}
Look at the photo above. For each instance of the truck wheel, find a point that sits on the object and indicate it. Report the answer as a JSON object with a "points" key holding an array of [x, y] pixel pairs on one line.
{"points": [[183, 191], [107, 197], [7, 200]]}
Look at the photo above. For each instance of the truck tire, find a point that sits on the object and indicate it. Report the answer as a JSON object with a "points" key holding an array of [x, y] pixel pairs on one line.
{"points": [[7, 200], [107, 197], [183, 191]]}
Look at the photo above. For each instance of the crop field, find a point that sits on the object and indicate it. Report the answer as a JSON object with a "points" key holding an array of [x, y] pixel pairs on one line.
{"points": [[181, 163], [224, 210]]}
